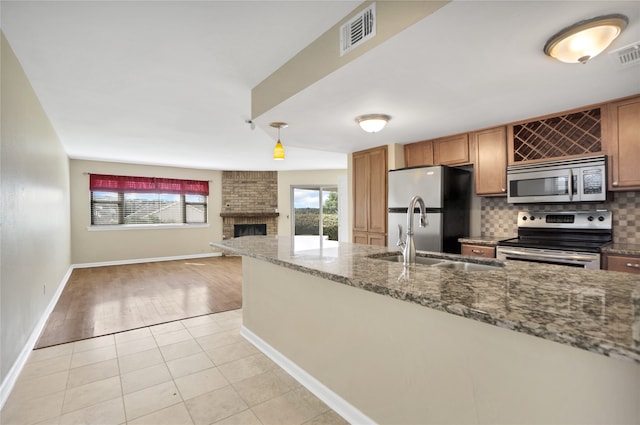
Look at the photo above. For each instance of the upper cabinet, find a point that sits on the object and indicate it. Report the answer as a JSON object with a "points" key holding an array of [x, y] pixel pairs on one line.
{"points": [[419, 153], [612, 128], [569, 135], [623, 144], [453, 150], [490, 161]]}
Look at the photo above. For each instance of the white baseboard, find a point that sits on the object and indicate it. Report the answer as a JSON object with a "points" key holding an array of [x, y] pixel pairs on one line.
{"points": [[12, 377], [345, 409], [145, 260]]}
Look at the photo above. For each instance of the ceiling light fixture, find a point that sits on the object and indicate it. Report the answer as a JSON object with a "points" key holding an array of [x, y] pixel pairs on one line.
{"points": [[586, 39], [278, 150], [372, 123]]}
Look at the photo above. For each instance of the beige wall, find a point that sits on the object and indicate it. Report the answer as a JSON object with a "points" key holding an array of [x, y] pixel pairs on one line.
{"points": [[91, 246], [35, 248], [402, 363], [395, 157], [286, 179], [97, 246]]}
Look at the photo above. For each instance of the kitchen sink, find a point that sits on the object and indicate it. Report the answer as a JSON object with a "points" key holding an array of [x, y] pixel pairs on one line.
{"points": [[419, 260], [440, 263], [467, 267]]}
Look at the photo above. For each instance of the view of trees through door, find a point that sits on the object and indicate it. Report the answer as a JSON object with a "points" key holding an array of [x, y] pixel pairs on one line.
{"points": [[315, 211]]}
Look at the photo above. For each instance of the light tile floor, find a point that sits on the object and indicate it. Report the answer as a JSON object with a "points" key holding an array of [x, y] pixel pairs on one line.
{"points": [[192, 371]]}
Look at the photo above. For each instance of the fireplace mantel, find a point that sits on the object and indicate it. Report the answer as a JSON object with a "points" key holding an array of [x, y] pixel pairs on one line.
{"points": [[249, 214]]}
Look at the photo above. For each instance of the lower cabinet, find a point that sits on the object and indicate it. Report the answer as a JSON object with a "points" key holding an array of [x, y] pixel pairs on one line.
{"points": [[622, 263], [379, 239], [359, 237], [479, 251]]}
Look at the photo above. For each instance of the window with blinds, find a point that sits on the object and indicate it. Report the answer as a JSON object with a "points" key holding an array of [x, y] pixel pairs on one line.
{"points": [[121, 200]]}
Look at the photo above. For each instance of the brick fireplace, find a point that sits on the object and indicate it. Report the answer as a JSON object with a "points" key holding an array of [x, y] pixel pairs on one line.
{"points": [[249, 197]]}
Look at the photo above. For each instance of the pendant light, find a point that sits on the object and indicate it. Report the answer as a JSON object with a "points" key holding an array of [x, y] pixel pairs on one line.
{"points": [[586, 39], [372, 123], [278, 150]]}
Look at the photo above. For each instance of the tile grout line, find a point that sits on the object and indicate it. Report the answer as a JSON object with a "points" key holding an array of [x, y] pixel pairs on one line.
{"points": [[66, 386], [173, 379], [156, 338], [124, 407], [230, 384]]}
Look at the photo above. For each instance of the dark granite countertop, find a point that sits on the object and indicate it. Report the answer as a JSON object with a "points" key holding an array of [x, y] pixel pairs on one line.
{"points": [[484, 240], [621, 249], [594, 310]]}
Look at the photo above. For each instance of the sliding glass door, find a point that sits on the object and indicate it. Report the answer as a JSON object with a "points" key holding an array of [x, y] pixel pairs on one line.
{"points": [[315, 212]]}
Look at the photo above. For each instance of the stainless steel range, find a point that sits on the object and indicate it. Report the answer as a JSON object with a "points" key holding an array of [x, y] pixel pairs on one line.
{"points": [[571, 238]]}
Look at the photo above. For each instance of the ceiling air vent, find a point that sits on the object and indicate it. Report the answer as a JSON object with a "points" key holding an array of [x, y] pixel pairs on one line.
{"points": [[359, 29], [627, 55]]}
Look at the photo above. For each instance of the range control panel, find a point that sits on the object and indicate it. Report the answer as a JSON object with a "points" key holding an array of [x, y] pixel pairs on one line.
{"points": [[596, 219]]}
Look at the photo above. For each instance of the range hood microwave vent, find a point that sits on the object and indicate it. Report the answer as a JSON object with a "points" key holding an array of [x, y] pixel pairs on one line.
{"points": [[358, 29], [627, 55]]}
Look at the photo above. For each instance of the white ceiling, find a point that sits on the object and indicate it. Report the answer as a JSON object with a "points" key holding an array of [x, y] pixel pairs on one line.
{"points": [[169, 83]]}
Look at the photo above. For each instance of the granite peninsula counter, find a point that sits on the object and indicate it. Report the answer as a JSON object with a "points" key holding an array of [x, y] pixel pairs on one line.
{"points": [[585, 324]]}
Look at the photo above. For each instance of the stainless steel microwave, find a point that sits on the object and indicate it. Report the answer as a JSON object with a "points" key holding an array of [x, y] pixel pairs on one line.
{"points": [[571, 180]]}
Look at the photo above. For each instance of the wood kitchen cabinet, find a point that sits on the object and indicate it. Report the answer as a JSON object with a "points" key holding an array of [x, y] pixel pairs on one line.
{"points": [[418, 154], [478, 251], [620, 263], [370, 196], [623, 144], [612, 128], [571, 134], [379, 239], [370, 238], [453, 150], [490, 161], [360, 237]]}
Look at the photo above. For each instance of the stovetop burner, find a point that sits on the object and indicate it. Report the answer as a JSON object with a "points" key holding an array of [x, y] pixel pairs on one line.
{"points": [[582, 231], [581, 246]]}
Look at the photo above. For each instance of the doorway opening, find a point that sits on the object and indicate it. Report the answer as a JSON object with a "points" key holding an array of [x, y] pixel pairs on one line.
{"points": [[315, 213]]}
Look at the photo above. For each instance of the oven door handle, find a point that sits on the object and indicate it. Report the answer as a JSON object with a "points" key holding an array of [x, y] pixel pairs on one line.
{"points": [[570, 184], [531, 255]]}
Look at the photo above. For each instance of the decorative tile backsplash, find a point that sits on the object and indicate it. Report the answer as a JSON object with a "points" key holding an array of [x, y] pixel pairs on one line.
{"points": [[499, 218]]}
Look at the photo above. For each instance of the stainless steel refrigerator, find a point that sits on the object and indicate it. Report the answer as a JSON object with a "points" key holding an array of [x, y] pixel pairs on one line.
{"points": [[446, 194]]}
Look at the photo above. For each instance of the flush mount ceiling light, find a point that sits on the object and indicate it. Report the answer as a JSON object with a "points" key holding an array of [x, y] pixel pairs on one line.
{"points": [[586, 39], [278, 150], [372, 123]]}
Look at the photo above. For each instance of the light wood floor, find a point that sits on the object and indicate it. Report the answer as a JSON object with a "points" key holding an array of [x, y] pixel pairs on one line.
{"points": [[104, 300]]}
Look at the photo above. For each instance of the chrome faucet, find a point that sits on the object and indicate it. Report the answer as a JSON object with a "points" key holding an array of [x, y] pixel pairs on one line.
{"points": [[408, 246]]}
